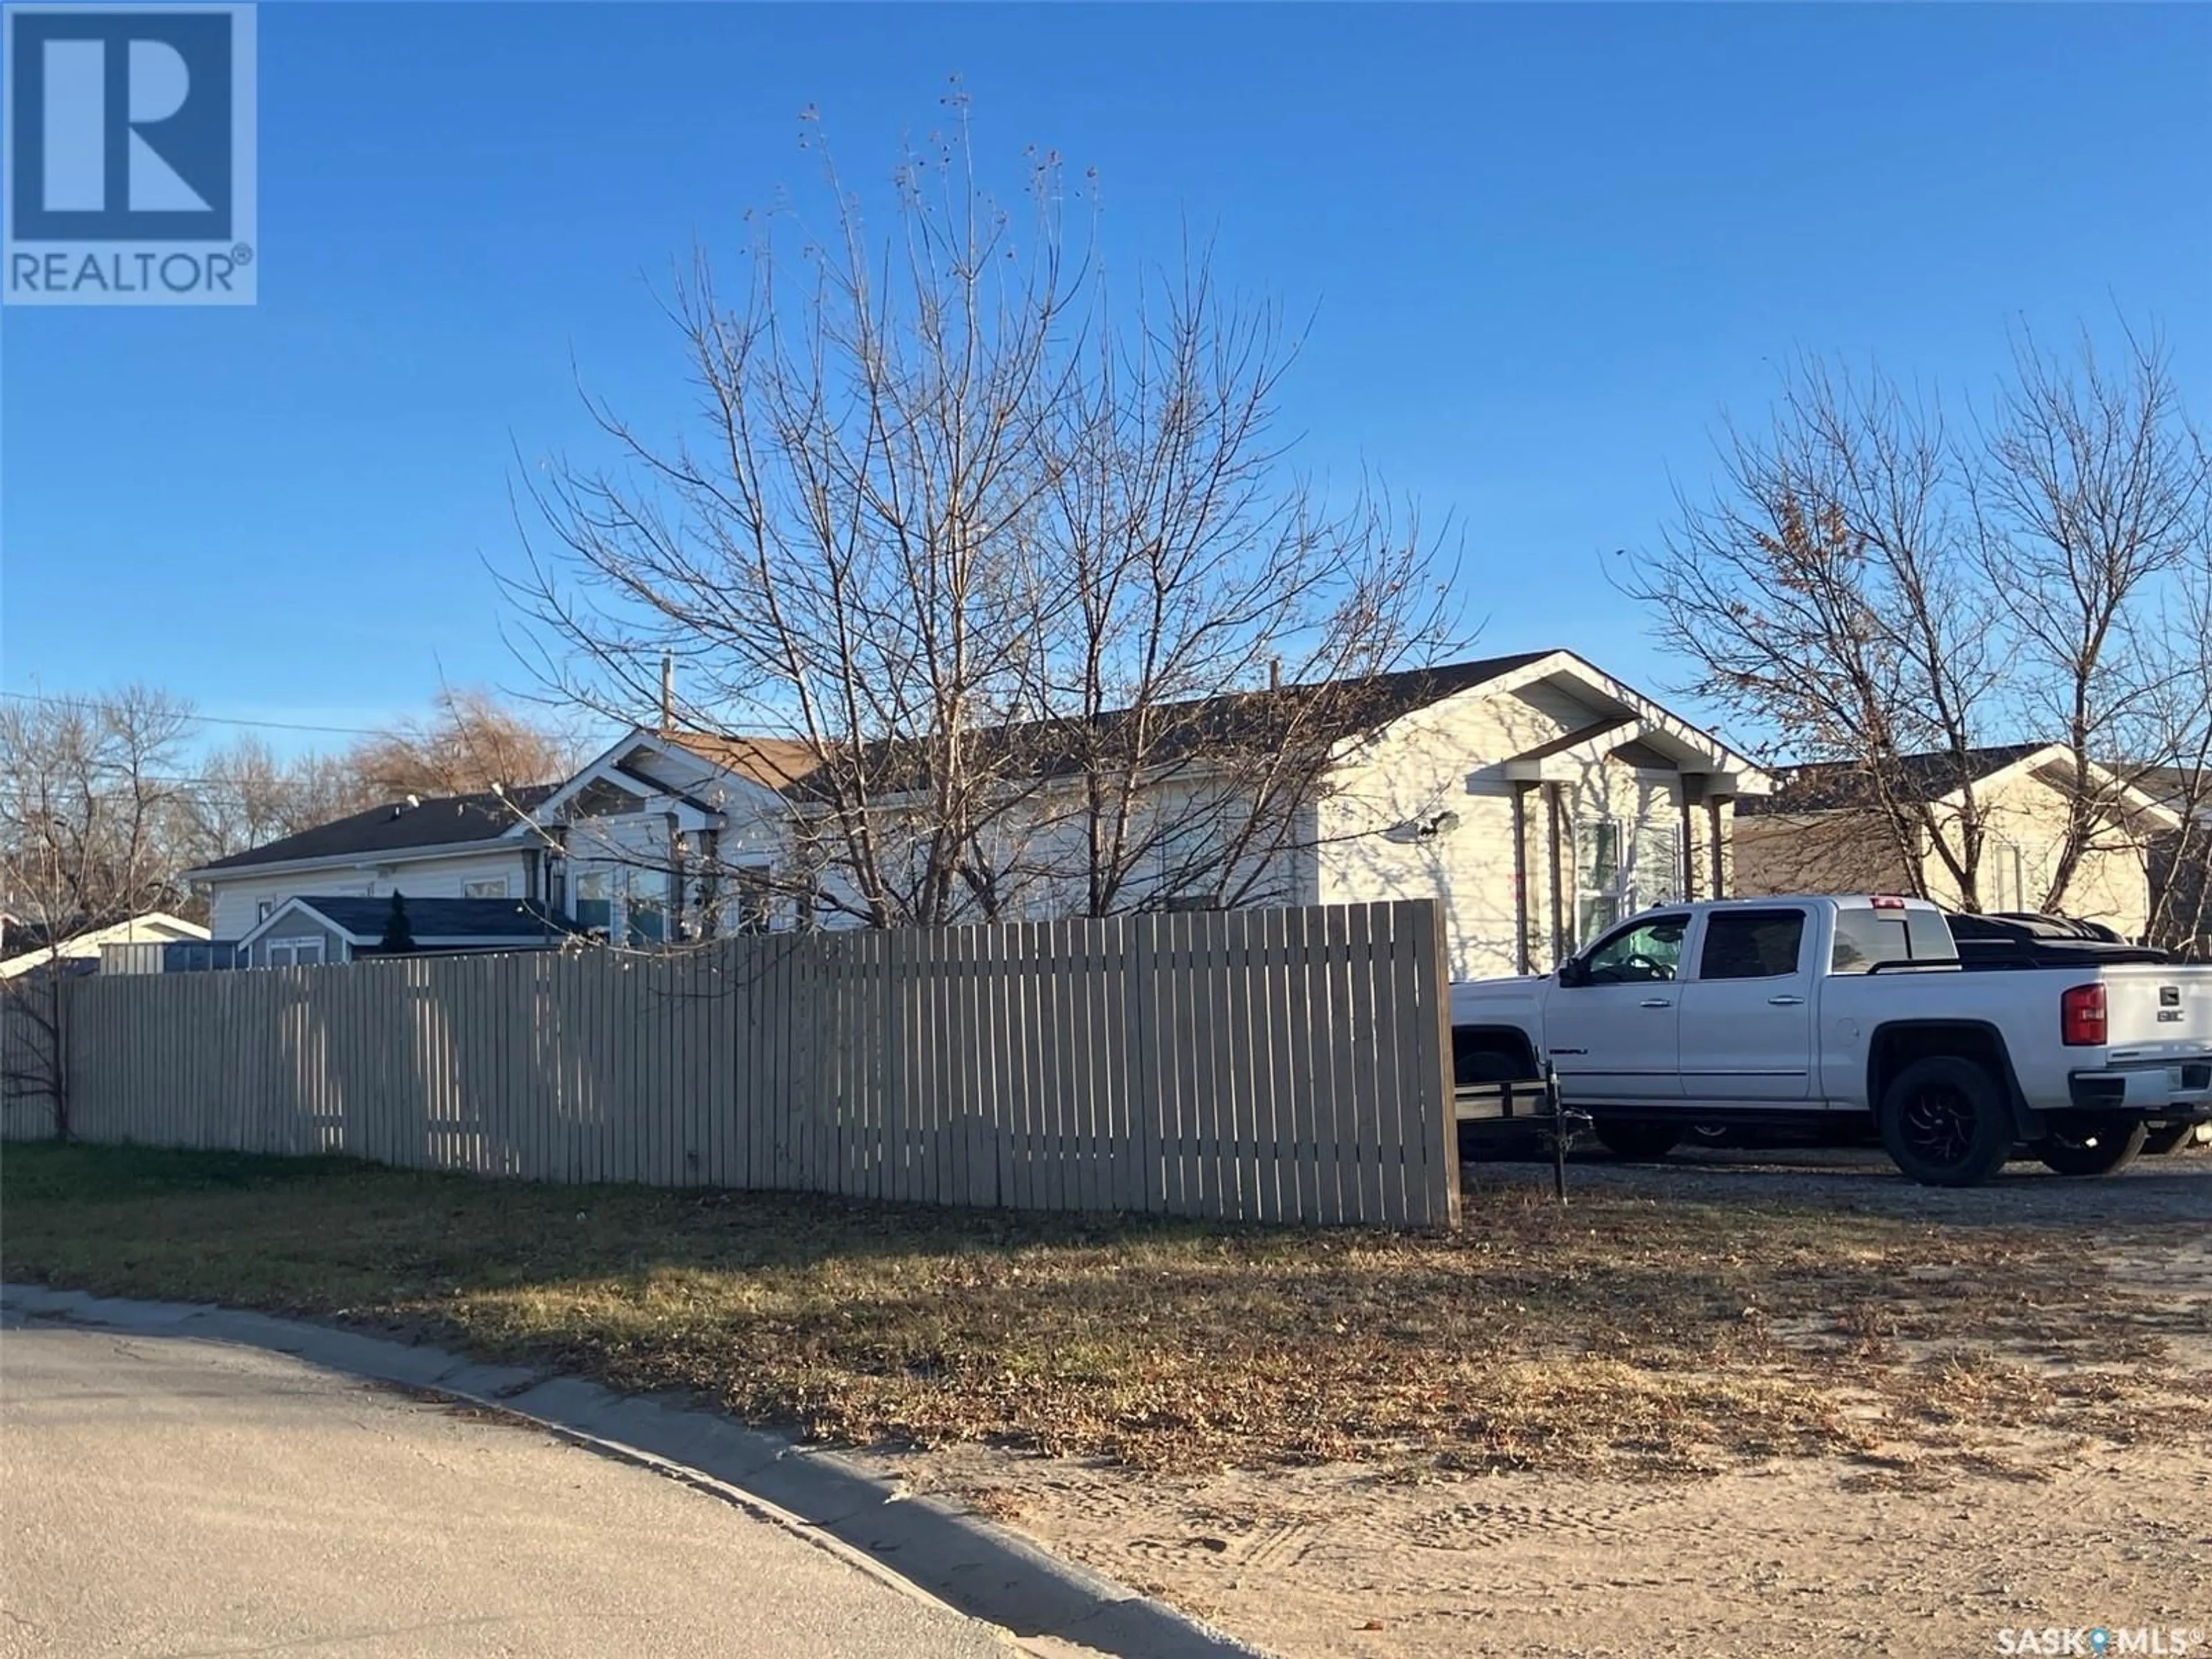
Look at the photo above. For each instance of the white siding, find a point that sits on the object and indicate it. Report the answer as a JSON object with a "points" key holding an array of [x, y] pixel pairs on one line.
{"points": [[2025, 819], [2025, 816], [1450, 757], [233, 904]]}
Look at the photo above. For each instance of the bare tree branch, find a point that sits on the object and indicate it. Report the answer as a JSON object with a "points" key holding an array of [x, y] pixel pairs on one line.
{"points": [[997, 566]]}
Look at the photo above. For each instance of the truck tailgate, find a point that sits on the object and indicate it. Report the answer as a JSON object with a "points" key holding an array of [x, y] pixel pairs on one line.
{"points": [[2151, 1010]]}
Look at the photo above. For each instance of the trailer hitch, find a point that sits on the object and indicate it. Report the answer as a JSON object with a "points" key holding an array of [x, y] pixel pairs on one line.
{"points": [[1567, 1122]]}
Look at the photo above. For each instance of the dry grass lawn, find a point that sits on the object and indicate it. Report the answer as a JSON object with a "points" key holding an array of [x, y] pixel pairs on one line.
{"points": [[1620, 1335]]}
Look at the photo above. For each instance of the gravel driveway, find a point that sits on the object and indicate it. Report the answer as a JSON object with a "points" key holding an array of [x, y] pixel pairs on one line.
{"points": [[2177, 1188]]}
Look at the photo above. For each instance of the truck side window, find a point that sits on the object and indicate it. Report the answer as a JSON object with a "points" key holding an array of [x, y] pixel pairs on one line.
{"points": [[1752, 943], [1644, 950]]}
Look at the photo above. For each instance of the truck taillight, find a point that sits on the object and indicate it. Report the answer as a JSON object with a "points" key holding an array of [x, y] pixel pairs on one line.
{"points": [[2081, 1017]]}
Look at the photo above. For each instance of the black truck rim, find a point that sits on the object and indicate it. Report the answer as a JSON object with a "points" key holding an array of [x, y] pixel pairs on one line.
{"points": [[1939, 1124]]}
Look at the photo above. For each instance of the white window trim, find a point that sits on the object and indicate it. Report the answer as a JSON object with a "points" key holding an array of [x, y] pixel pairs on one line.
{"points": [[293, 949], [486, 887], [1623, 887]]}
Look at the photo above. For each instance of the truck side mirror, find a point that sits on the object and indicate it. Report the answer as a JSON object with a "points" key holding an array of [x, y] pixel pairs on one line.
{"points": [[1573, 972]]}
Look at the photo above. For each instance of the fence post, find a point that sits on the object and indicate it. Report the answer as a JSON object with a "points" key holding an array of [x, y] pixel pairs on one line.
{"points": [[1436, 1071]]}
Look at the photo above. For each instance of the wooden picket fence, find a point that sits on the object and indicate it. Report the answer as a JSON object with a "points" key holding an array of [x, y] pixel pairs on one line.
{"points": [[1271, 1065], [30, 1009]]}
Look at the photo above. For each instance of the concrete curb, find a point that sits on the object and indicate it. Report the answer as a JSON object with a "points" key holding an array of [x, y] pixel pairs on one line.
{"points": [[929, 1544]]}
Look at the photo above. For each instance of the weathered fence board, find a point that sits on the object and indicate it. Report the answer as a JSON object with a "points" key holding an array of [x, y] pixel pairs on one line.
{"points": [[1262, 1064]]}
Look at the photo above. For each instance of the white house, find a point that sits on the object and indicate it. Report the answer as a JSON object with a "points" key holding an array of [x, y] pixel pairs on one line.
{"points": [[1534, 796], [1538, 798], [457, 847], [601, 850]]}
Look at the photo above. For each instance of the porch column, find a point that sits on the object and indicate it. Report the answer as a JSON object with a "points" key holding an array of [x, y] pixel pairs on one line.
{"points": [[1551, 792], [1521, 909], [1689, 833], [1713, 804]]}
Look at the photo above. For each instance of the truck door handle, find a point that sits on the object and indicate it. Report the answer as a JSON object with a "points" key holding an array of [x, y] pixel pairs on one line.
{"points": [[1785, 1002], [1655, 1002]]}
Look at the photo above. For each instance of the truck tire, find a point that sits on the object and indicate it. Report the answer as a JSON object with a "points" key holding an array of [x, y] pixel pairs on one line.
{"points": [[1945, 1121], [1625, 1138], [2094, 1146]]}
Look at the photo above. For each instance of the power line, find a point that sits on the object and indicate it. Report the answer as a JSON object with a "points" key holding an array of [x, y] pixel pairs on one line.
{"points": [[207, 719]]}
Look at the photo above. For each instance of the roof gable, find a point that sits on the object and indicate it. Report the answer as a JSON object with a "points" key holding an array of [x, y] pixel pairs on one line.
{"points": [[623, 767]]}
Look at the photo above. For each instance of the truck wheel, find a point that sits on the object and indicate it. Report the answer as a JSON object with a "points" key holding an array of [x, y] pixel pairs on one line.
{"points": [[1944, 1123], [2159, 1142], [1640, 1141], [2092, 1146]]}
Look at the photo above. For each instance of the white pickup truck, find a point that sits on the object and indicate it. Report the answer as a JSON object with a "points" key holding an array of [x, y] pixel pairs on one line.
{"points": [[1811, 1009]]}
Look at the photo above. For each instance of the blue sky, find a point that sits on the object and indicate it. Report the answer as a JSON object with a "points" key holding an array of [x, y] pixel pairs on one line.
{"points": [[1546, 246]]}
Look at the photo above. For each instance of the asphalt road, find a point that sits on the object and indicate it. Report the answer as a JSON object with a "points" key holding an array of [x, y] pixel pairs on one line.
{"points": [[160, 1496]]}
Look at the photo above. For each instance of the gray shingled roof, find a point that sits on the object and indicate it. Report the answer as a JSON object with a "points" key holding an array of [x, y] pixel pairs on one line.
{"points": [[434, 919], [395, 827], [1187, 730], [1831, 786]]}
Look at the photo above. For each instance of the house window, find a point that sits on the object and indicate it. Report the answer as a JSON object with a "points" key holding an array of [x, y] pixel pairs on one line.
{"points": [[296, 952], [751, 899], [263, 910], [594, 901], [1601, 877], [645, 914], [600, 800], [1621, 867], [2008, 868], [492, 887]]}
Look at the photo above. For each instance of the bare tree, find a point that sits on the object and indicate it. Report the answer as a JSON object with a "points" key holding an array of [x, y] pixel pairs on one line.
{"points": [[985, 569], [1829, 597], [2179, 751], [88, 792], [243, 795], [470, 743], [1885, 596], [1213, 629], [2089, 489]]}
